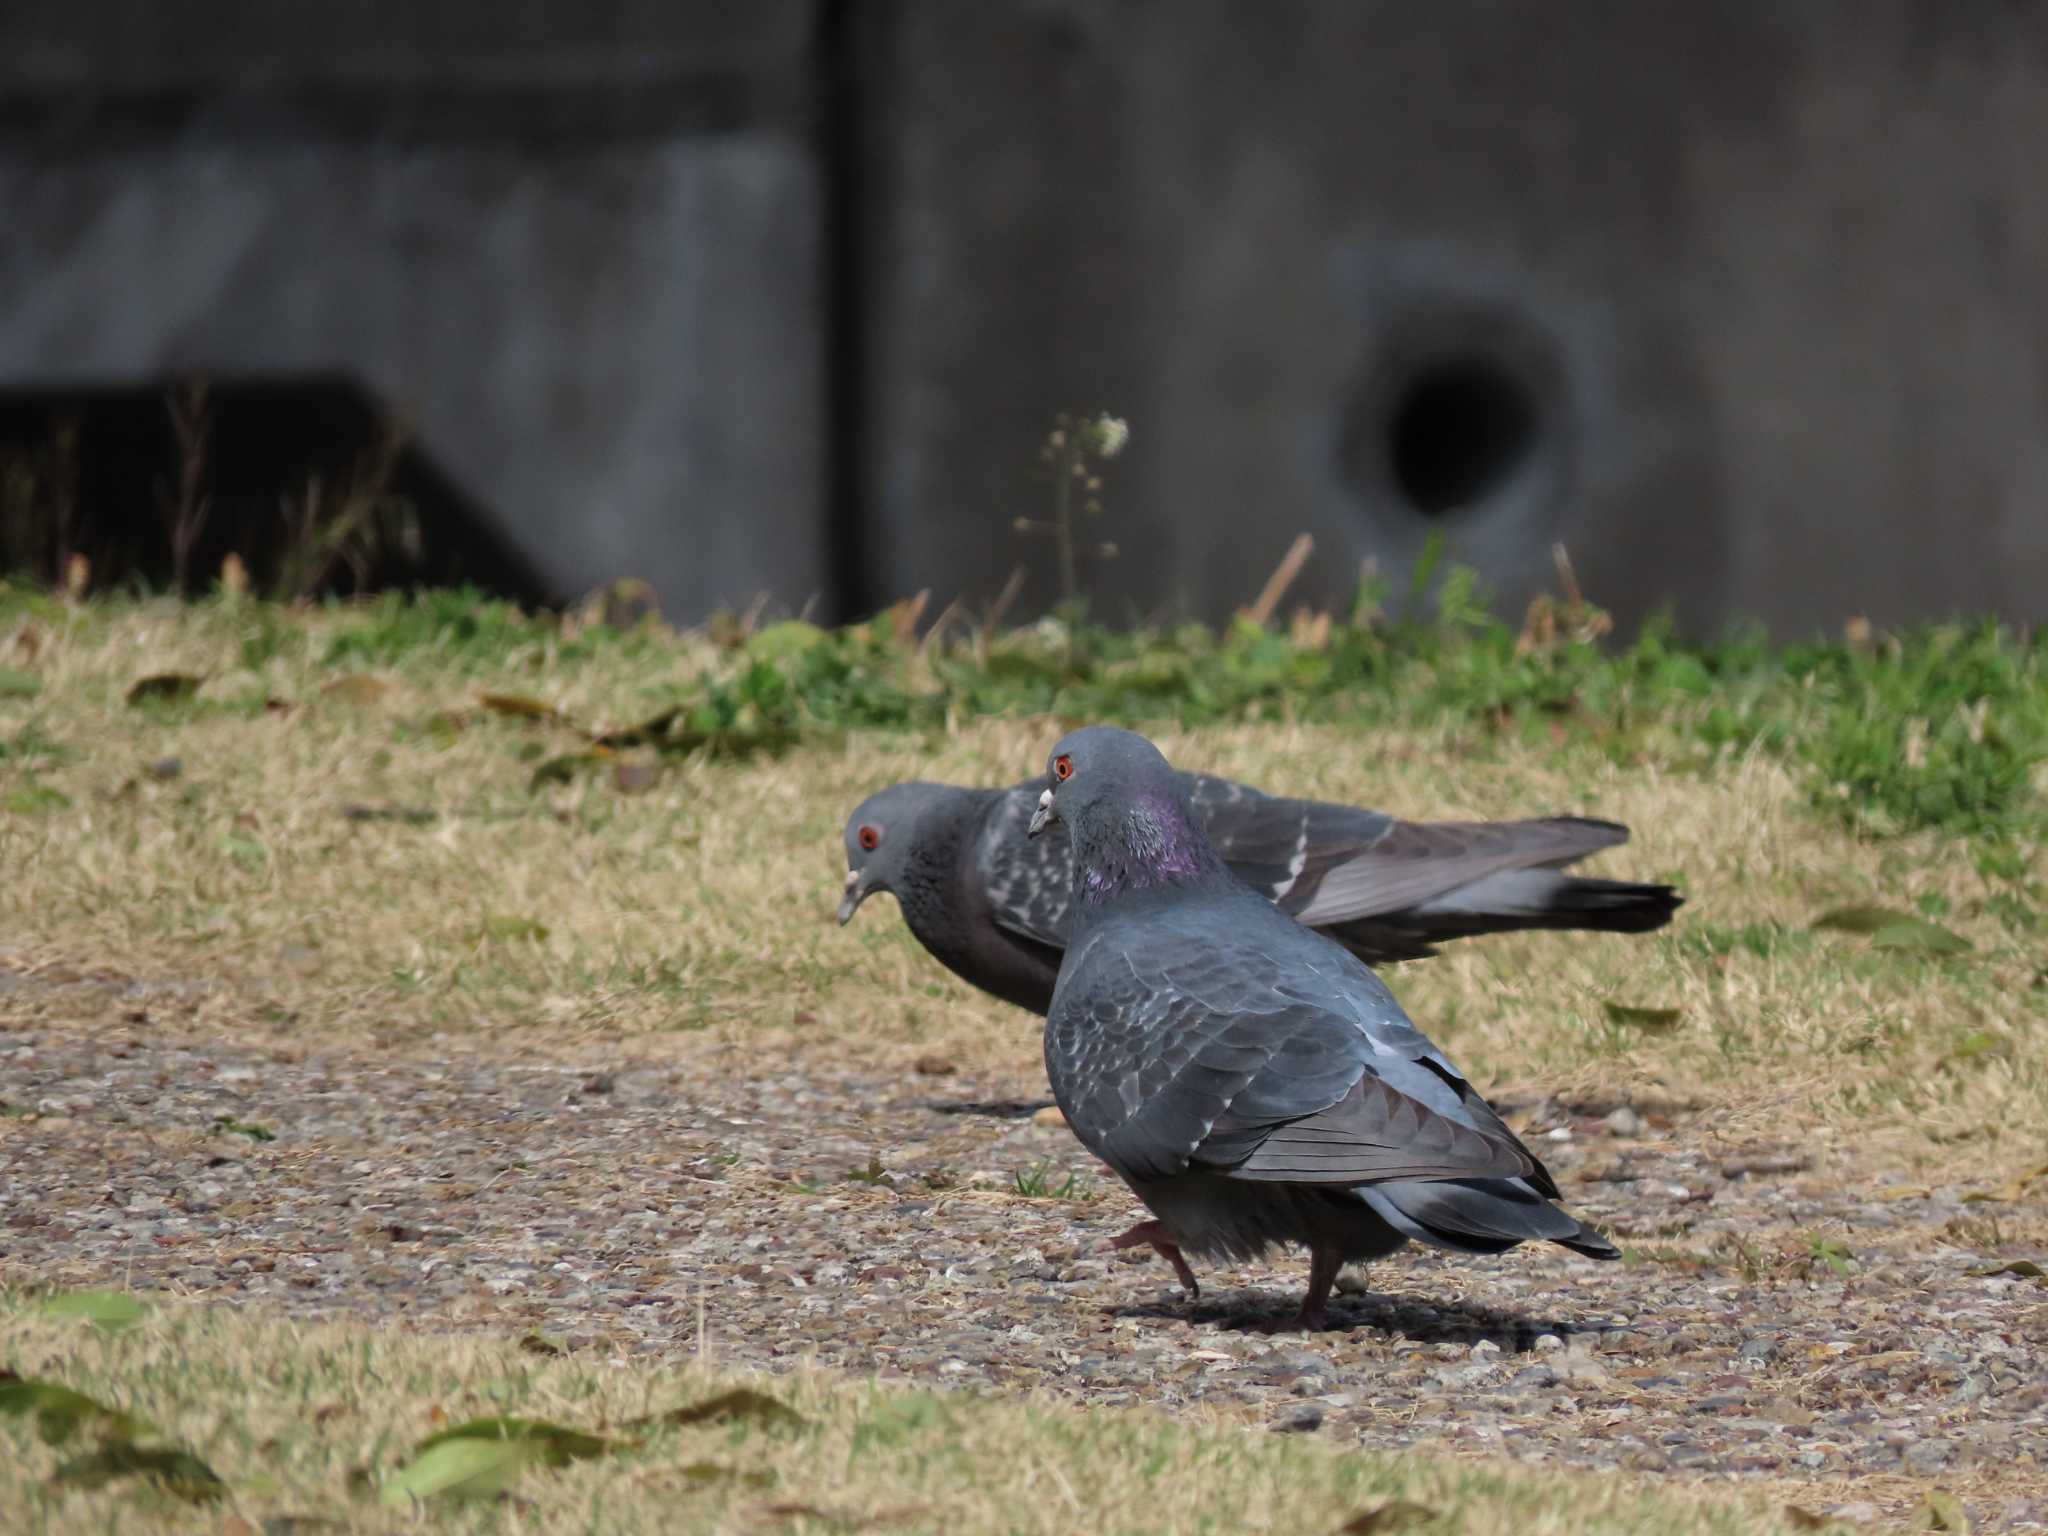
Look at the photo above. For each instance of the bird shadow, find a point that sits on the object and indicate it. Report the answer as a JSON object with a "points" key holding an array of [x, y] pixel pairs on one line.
{"points": [[995, 1109], [1401, 1317]]}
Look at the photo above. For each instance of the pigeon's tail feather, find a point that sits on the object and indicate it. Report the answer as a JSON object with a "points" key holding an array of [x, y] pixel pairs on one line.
{"points": [[1480, 1216], [1542, 898]]}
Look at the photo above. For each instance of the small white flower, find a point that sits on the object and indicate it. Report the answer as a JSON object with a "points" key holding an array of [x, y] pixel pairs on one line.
{"points": [[1110, 433]]}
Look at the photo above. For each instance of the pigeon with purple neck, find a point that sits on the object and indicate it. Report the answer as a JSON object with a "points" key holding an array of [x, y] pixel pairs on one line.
{"points": [[1250, 1079]]}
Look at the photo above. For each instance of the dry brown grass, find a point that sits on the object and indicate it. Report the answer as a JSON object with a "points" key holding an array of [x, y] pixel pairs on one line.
{"points": [[578, 915], [305, 1422]]}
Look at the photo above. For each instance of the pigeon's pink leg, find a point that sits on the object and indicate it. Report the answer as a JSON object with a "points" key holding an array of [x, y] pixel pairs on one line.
{"points": [[1323, 1265], [1155, 1233]]}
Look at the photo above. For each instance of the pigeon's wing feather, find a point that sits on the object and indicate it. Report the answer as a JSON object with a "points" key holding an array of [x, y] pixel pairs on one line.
{"points": [[1413, 863], [1029, 880], [1269, 842], [1208, 1032]]}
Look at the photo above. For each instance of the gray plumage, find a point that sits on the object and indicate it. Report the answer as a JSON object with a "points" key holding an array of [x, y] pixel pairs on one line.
{"points": [[994, 907], [1251, 1079]]}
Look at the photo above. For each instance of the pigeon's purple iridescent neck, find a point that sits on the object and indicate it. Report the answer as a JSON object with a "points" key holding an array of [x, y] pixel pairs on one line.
{"points": [[1151, 843]]}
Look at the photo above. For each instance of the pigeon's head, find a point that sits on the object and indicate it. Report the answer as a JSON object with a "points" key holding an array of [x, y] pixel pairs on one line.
{"points": [[1097, 777], [879, 836]]}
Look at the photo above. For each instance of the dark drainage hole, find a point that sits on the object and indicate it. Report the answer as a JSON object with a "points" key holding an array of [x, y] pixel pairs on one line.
{"points": [[1459, 432]]}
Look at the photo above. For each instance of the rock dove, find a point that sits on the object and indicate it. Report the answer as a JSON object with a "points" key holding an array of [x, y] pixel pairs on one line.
{"points": [[992, 907], [1251, 1079]]}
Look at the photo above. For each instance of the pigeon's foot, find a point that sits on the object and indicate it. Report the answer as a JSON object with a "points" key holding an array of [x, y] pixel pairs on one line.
{"points": [[1155, 1235], [1323, 1265]]}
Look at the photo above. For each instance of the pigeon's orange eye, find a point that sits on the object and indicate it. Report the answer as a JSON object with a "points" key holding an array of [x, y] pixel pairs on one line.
{"points": [[1063, 767], [870, 839]]}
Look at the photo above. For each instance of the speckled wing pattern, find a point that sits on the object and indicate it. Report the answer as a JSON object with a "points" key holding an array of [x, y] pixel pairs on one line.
{"points": [[1029, 881], [1217, 1033]]}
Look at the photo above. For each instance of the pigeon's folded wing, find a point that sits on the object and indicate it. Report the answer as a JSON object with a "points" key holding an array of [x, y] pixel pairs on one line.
{"points": [[1201, 1053], [1414, 862]]}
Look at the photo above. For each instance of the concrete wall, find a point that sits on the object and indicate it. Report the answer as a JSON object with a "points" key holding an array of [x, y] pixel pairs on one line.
{"points": [[576, 248], [1743, 302], [1768, 281]]}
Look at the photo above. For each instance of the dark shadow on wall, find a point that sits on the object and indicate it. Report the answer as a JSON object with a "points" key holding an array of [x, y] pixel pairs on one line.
{"points": [[310, 481]]}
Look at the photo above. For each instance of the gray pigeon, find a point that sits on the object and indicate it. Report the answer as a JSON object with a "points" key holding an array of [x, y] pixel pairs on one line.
{"points": [[993, 908], [1250, 1079]]}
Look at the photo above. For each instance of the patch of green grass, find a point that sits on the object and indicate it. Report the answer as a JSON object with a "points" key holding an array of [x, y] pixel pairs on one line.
{"points": [[1942, 727], [1036, 1183]]}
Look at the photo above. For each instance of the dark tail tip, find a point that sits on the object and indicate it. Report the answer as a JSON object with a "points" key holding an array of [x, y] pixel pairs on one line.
{"points": [[1614, 906], [1590, 1243]]}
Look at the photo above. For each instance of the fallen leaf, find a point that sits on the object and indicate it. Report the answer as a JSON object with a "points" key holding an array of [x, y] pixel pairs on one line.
{"points": [[1050, 1115], [1652, 1020], [1917, 933], [229, 1125], [1905, 1192], [846, 1520], [1940, 1511], [457, 1469], [563, 769], [357, 688], [2014, 1188], [60, 1412], [406, 815], [33, 799], [1806, 1519], [538, 1343], [1982, 1043], [646, 733], [509, 928], [708, 1474], [2026, 1269], [635, 777], [935, 1066], [556, 1445], [1864, 919], [1888, 928], [177, 1472], [108, 1311], [742, 1404], [1397, 1515], [164, 687], [518, 706]]}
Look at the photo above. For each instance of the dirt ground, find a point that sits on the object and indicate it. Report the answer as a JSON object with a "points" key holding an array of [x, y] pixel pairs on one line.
{"points": [[1791, 1314]]}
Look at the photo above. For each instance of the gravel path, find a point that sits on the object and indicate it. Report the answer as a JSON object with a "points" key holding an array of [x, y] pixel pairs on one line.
{"points": [[1798, 1324]]}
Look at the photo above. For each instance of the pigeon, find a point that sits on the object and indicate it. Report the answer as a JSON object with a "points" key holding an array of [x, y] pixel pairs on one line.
{"points": [[1251, 1079], [993, 908]]}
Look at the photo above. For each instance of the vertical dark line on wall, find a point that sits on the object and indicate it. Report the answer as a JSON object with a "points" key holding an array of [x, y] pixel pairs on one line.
{"points": [[841, 141]]}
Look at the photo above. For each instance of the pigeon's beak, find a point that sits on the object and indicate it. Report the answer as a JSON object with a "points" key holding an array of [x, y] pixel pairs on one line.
{"points": [[856, 893], [1044, 816]]}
